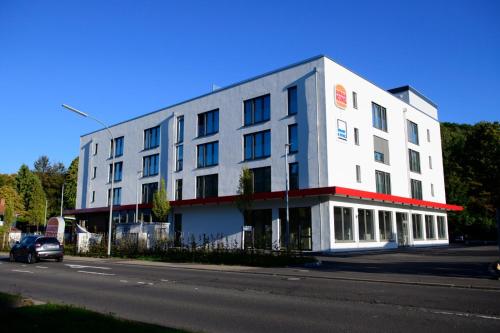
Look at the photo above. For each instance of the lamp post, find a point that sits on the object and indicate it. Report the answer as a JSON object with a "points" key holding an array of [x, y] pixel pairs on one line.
{"points": [[287, 222], [83, 114], [139, 173]]}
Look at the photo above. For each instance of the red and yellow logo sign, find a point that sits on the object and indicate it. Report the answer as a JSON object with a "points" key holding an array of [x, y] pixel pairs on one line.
{"points": [[340, 96]]}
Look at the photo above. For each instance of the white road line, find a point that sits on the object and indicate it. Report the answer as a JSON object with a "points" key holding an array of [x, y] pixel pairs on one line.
{"points": [[82, 266], [124, 281], [21, 271], [96, 273], [150, 283], [140, 282], [43, 267], [163, 280], [462, 314]]}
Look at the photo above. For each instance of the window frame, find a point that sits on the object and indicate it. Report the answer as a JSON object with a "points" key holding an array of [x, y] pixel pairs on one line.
{"points": [[379, 117], [266, 180], [203, 150], [414, 161], [149, 133], [178, 189], [180, 130], [343, 224], [202, 126], [290, 102], [201, 182], [291, 149], [385, 225], [386, 182], [416, 189], [156, 157], [265, 100], [253, 147], [362, 221], [355, 100], [293, 178], [413, 136]]}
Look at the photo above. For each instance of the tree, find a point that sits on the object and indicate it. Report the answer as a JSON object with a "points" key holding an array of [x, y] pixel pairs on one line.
{"points": [[161, 205], [7, 180], [13, 203], [24, 185], [36, 212], [244, 200], [52, 177], [42, 164], [71, 179]]}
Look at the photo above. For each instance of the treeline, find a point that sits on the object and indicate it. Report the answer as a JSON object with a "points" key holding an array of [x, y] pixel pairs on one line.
{"points": [[30, 192], [471, 159]]}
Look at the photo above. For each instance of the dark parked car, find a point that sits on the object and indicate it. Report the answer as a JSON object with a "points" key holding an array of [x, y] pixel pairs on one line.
{"points": [[34, 248]]}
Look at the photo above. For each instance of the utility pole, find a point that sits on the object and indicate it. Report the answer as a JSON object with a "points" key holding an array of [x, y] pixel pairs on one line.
{"points": [[62, 199]]}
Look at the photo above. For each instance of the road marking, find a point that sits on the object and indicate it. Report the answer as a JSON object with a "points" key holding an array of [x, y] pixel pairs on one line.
{"points": [[140, 282], [150, 283], [96, 273], [123, 281], [82, 266], [163, 280], [462, 314], [43, 267], [293, 279], [21, 271]]}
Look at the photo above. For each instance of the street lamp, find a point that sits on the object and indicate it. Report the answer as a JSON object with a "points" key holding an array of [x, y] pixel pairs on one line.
{"points": [[287, 222], [83, 114]]}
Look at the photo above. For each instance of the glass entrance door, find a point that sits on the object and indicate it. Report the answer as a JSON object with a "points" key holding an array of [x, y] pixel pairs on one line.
{"points": [[402, 226]]}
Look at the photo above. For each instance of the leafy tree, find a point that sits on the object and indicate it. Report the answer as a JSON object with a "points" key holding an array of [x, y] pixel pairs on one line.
{"points": [[24, 185], [36, 212], [161, 205], [42, 164], [7, 180], [13, 203], [52, 177], [71, 179], [244, 200]]}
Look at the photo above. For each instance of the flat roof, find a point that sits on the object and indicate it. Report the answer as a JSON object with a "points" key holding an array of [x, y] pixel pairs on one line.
{"points": [[413, 90]]}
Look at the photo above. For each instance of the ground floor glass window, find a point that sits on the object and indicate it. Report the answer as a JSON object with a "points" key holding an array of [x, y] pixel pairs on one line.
{"points": [[343, 224], [300, 228], [441, 225], [385, 225], [416, 221], [429, 227], [366, 225]]}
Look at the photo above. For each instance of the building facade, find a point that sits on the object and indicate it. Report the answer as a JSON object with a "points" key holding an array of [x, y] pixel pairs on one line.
{"points": [[364, 164]]}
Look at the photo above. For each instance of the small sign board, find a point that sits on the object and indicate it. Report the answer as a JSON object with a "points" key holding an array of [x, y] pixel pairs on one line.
{"points": [[340, 96], [247, 228], [341, 129], [55, 228]]}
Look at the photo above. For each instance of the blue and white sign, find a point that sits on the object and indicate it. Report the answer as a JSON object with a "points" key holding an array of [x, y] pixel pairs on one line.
{"points": [[341, 129]]}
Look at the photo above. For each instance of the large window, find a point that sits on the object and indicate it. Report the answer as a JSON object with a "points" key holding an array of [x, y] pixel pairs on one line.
{"points": [[429, 227], [293, 173], [257, 110], [208, 123], [147, 192], [441, 226], [414, 158], [343, 224], [117, 196], [379, 117], [261, 179], [150, 165], [292, 100], [180, 129], [117, 147], [293, 139], [416, 221], [152, 137], [366, 225], [118, 172], [383, 182], [207, 186], [179, 157], [257, 145], [412, 132], [381, 150], [416, 189], [385, 225], [178, 189], [208, 154]]}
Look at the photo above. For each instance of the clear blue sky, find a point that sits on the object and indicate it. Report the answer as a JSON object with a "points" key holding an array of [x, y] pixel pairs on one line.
{"points": [[120, 59]]}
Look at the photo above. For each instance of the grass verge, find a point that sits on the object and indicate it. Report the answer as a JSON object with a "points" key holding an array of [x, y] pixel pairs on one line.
{"points": [[21, 316]]}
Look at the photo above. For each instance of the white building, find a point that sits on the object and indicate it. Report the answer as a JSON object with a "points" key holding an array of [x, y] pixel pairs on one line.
{"points": [[365, 164]]}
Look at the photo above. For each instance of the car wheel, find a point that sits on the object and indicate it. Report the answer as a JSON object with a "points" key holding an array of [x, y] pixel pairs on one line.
{"points": [[11, 257], [31, 258], [59, 259]]}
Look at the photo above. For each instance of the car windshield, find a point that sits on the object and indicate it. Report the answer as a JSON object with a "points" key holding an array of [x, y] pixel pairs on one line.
{"points": [[49, 240], [28, 240]]}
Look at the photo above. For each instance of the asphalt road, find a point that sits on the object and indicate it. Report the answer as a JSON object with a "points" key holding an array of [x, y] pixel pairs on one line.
{"points": [[244, 301]]}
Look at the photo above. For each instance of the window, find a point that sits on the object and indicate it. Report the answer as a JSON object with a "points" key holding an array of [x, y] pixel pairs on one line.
{"points": [[207, 186], [414, 158], [441, 226], [94, 172], [412, 132], [293, 172], [257, 145], [365, 225], [150, 165], [178, 189], [208, 123], [152, 138], [208, 154], [383, 182], [428, 135], [118, 147], [179, 157], [356, 136], [416, 221], [292, 100], [385, 225], [429, 227], [293, 139], [430, 162], [354, 100], [95, 148], [118, 172], [257, 110], [416, 189], [432, 189], [261, 179], [358, 173], [180, 129], [343, 224], [381, 150], [341, 129], [379, 117], [147, 192], [93, 197], [117, 196]]}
